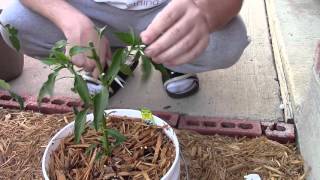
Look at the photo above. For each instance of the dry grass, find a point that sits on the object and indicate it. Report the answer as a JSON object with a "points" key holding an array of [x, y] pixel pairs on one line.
{"points": [[23, 136]]}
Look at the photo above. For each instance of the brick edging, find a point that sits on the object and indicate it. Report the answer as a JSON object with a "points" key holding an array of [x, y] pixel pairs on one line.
{"points": [[281, 132], [222, 126], [55, 105]]}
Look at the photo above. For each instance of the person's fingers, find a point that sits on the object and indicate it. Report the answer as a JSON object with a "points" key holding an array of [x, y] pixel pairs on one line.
{"points": [[89, 65], [165, 19], [79, 60], [95, 73], [108, 59], [107, 55], [104, 55], [191, 55], [183, 46], [174, 34]]}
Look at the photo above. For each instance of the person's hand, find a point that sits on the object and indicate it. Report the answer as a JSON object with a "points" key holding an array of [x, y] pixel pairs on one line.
{"points": [[177, 35], [81, 36]]}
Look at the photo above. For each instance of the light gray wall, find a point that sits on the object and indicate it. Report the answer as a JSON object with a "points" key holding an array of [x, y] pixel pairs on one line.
{"points": [[299, 23]]}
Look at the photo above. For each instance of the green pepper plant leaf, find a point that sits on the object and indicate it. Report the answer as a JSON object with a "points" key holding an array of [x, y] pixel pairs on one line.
{"points": [[59, 59]]}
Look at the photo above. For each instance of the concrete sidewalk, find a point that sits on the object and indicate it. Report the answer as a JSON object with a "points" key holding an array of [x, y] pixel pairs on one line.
{"points": [[297, 31], [247, 90]]}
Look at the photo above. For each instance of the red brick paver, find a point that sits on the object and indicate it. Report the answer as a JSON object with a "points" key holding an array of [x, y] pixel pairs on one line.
{"points": [[281, 132], [171, 118], [222, 126]]}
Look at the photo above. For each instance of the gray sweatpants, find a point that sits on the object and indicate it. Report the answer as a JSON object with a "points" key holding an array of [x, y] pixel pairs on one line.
{"points": [[37, 34]]}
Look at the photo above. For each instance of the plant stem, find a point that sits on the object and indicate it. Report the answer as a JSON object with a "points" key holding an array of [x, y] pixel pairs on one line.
{"points": [[96, 58], [71, 69], [106, 146], [67, 77]]}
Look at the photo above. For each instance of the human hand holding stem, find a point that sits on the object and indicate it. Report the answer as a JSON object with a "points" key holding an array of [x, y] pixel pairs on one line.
{"points": [[67, 18], [59, 60], [181, 31], [86, 32]]}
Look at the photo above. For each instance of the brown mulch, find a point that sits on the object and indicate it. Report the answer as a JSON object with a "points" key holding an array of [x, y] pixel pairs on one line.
{"points": [[23, 138], [146, 154], [24, 135], [220, 157]]}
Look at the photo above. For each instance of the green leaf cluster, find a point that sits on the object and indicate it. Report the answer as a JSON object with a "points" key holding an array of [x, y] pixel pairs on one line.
{"points": [[98, 102], [6, 86], [13, 35]]}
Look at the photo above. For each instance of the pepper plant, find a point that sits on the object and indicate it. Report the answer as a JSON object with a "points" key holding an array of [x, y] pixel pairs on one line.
{"points": [[59, 59]]}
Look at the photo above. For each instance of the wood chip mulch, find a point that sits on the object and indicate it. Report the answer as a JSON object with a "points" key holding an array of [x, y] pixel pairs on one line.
{"points": [[220, 157], [146, 154], [24, 135], [23, 138]]}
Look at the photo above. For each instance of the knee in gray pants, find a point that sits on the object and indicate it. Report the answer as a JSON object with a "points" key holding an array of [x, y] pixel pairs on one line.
{"points": [[36, 34], [224, 50], [232, 43]]}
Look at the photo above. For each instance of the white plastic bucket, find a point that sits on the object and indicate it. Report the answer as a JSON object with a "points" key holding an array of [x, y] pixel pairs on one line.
{"points": [[172, 174]]}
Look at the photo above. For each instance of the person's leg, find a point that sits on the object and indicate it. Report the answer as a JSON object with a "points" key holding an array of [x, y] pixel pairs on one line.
{"points": [[117, 19], [36, 34], [224, 49]]}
